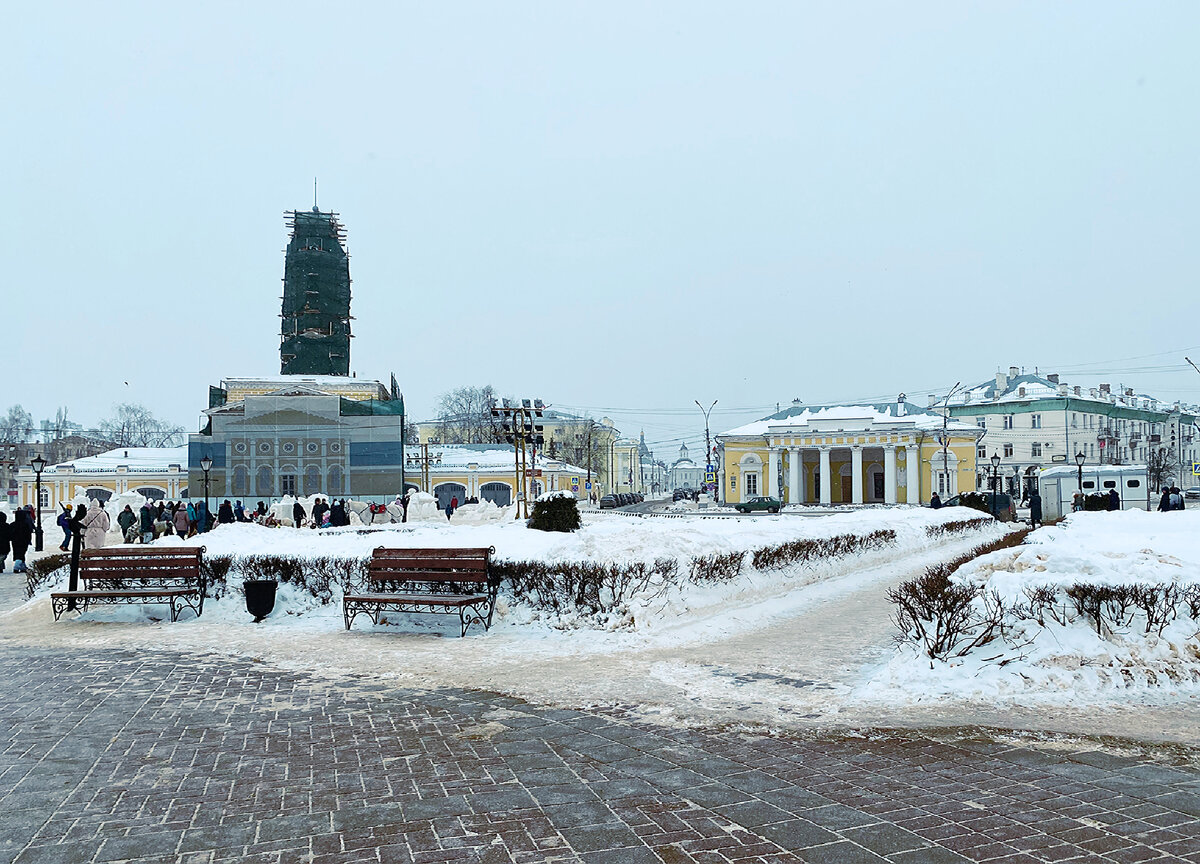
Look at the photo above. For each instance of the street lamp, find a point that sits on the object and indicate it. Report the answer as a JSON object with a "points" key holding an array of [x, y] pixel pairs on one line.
{"points": [[995, 480], [39, 465], [1079, 460], [707, 443], [205, 466]]}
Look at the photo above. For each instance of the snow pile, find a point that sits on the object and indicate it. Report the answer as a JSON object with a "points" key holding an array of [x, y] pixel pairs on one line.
{"points": [[1050, 648]]}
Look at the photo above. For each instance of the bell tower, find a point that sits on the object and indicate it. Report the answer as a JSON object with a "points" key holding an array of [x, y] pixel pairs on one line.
{"points": [[315, 333]]}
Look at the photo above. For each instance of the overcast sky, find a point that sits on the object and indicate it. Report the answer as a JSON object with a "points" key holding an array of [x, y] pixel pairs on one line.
{"points": [[613, 207]]}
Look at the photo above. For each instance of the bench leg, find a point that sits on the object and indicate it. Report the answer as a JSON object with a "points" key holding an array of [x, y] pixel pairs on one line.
{"points": [[58, 605]]}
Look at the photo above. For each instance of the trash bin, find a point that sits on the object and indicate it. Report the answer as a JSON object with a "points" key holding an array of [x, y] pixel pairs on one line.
{"points": [[260, 597]]}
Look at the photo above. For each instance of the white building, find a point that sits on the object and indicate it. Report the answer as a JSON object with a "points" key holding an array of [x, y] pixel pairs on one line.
{"points": [[154, 472], [685, 474], [1032, 422]]}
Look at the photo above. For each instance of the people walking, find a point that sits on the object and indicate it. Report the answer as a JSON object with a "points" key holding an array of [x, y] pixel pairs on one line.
{"points": [[1164, 503], [1076, 501], [95, 526], [225, 513], [298, 515], [146, 523], [20, 535], [179, 518], [239, 512], [1176, 498], [1114, 500], [1035, 509], [5, 540]]}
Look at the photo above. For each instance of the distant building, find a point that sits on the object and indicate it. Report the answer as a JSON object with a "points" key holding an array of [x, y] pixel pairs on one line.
{"points": [[1032, 422], [486, 472], [16, 457], [315, 333], [684, 473], [154, 472], [849, 454]]}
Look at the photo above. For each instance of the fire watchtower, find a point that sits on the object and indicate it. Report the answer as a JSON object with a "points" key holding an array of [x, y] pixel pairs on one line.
{"points": [[315, 334]]}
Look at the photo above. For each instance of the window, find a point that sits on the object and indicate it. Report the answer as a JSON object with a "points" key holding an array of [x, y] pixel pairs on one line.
{"points": [[981, 422], [1074, 421], [44, 498], [312, 480], [1008, 450], [1089, 484], [264, 481], [943, 481], [751, 484], [1133, 484], [981, 453], [335, 480], [1035, 421], [1008, 421], [287, 484], [1110, 484], [241, 480], [1035, 449]]}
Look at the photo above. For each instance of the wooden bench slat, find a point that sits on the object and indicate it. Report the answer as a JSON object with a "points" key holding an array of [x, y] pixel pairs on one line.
{"points": [[430, 599], [383, 552], [149, 592], [425, 576], [430, 564]]}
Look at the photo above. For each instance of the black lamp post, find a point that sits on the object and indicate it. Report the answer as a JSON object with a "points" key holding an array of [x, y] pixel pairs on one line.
{"points": [[205, 466], [39, 465], [1079, 460], [707, 442], [995, 481]]}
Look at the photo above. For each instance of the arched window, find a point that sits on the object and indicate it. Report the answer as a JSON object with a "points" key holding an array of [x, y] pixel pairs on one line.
{"points": [[241, 480], [499, 494], [151, 492], [264, 481], [312, 480], [335, 481]]}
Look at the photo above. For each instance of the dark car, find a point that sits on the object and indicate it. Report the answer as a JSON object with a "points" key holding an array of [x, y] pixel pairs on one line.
{"points": [[761, 502], [608, 502], [999, 505]]}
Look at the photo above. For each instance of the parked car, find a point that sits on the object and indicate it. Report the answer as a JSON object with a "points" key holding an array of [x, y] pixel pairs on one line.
{"points": [[608, 502], [999, 505], [761, 502], [1193, 492]]}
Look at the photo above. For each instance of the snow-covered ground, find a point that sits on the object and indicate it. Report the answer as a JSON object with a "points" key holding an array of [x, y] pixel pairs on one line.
{"points": [[795, 647]]}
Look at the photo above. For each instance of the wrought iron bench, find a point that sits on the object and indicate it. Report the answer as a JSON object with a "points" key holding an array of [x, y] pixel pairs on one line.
{"points": [[427, 580], [142, 574]]}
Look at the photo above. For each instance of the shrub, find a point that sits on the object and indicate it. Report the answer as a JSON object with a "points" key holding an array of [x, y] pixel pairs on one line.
{"points": [[583, 586], [960, 527], [976, 501], [808, 551], [37, 572], [555, 513], [216, 573], [1095, 502], [717, 567]]}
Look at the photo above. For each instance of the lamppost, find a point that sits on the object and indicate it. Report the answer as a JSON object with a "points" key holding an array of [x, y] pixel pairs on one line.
{"points": [[205, 466], [39, 465], [995, 481], [707, 443], [1079, 460]]}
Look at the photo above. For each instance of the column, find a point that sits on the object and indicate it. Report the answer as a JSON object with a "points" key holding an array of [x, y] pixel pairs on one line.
{"points": [[889, 474], [794, 476], [912, 456], [856, 456], [801, 482], [826, 480], [772, 473]]}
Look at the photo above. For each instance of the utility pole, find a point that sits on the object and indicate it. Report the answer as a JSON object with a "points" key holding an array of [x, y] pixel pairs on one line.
{"points": [[708, 466]]}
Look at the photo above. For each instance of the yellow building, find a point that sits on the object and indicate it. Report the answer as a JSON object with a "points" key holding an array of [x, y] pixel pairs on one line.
{"points": [[154, 472], [888, 453], [486, 472]]}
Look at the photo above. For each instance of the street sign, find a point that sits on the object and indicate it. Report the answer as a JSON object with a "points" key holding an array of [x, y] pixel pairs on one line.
{"points": [[587, 485], [1196, 468], [575, 482], [710, 477]]}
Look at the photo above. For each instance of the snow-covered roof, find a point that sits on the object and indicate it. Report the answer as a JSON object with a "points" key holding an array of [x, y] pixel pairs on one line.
{"points": [[134, 458], [456, 457], [822, 418]]}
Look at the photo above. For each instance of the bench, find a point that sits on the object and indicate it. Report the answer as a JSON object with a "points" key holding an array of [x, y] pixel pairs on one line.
{"points": [[138, 574], [427, 580]]}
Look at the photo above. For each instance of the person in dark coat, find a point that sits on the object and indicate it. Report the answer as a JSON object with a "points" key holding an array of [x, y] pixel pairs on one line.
{"points": [[64, 522], [225, 513], [20, 535], [239, 512], [146, 523], [5, 541], [935, 501], [1114, 500], [337, 515], [1035, 509], [298, 515], [1164, 503]]}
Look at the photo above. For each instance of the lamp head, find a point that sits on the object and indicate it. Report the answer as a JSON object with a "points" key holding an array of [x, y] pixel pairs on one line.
{"points": [[206, 464], [1079, 459], [995, 460], [38, 464]]}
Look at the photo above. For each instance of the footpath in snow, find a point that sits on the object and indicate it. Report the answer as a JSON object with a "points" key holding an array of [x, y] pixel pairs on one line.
{"points": [[803, 646]]}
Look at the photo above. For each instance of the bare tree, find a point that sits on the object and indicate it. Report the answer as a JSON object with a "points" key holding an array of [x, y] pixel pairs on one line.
{"points": [[134, 426], [465, 417], [16, 426], [579, 445], [1158, 467]]}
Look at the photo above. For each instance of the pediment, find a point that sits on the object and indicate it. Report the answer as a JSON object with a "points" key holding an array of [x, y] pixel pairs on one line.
{"points": [[285, 417]]}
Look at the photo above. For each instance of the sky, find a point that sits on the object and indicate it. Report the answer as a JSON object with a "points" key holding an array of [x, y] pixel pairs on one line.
{"points": [[618, 208]]}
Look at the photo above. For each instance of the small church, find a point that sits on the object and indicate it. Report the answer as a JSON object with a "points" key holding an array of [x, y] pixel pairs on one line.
{"points": [[314, 429]]}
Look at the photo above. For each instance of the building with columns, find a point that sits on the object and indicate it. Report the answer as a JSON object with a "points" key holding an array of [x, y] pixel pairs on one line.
{"points": [[155, 472], [889, 453]]}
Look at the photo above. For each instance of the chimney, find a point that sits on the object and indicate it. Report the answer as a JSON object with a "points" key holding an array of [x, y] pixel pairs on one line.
{"points": [[1001, 383], [1062, 389], [1052, 377], [1077, 391], [900, 408], [1128, 391], [1013, 371], [1105, 389], [933, 400]]}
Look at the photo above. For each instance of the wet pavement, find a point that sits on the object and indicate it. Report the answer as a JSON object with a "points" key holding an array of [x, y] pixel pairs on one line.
{"points": [[144, 755]]}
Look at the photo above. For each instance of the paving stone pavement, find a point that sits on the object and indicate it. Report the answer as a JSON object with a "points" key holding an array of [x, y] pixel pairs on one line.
{"points": [[137, 756]]}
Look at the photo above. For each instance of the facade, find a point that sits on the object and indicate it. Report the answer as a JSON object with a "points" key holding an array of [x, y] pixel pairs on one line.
{"points": [[315, 333], [852, 454], [487, 472], [14, 457], [267, 438], [625, 459], [684, 473], [1033, 422], [154, 472], [654, 471], [579, 440]]}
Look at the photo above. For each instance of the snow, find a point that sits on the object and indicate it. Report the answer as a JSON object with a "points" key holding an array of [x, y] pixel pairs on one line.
{"points": [[136, 458], [833, 418]]}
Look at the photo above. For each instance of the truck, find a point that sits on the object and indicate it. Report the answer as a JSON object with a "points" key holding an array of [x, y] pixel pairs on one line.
{"points": [[1058, 485]]}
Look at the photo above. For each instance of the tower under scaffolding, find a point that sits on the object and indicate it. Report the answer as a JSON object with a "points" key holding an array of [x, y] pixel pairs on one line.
{"points": [[315, 334]]}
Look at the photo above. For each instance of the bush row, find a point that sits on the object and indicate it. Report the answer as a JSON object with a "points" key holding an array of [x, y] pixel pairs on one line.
{"points": [[583, 586], [37, 572], [947, 529], [1109, 608], [317, 576], [824, 548], [943, 616]]}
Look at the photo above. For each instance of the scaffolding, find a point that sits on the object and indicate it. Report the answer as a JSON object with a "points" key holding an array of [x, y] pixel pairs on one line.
{"points": [[315, 331]]}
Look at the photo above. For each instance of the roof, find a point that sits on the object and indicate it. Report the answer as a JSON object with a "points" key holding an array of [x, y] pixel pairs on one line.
{"points": [[859, 416], [134, 458], [459, 456]]}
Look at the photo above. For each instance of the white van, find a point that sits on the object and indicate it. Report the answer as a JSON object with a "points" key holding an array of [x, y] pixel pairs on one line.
{"points": [[1058, 485]]}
